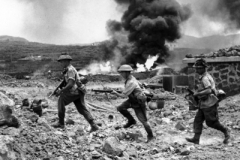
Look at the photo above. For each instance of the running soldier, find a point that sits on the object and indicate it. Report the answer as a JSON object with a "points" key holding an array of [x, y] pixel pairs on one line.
{"points": [[136, 100], [71, 93], [208, 103]]}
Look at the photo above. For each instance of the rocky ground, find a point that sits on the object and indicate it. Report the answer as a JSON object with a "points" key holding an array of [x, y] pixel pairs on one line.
{"points": [[36, 139]]}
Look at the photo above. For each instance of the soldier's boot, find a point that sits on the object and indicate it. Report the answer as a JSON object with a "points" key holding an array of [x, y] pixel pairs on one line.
{"points": [[150, 137], [94, 126], [58, 125], [195, 139], [227, 136], [129, 123], [148, 129], [131, 120]]}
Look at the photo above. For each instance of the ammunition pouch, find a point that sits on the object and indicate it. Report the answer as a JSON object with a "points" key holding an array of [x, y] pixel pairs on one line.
{"points": [[220, 95], [81, 84], [139, 99], [148, 95], [82, 88], [204, 98]]}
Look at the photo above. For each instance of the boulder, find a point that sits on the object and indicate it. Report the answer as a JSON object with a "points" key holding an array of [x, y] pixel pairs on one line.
{"points": [[113, 146], [7, 118], [5, 151], [4, 100], [36, 106], [25, 102]]}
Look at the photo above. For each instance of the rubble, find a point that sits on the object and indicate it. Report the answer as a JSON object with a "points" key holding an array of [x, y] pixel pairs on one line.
{"points": [[36, 139], [180, 126], [5, 151], [225, 52], [113, 146]]}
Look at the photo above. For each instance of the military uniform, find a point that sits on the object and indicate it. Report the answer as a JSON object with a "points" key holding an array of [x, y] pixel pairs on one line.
{"points": [[207, 109], [137, 101], [73, 95]]}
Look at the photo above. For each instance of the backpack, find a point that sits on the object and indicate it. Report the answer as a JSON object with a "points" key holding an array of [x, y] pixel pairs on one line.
{"points": [[220, 95], [81, 83]]}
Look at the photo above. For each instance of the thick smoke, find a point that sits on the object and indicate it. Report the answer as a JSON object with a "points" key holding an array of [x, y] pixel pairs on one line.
{"points": [[118, 46], [149, 24]]}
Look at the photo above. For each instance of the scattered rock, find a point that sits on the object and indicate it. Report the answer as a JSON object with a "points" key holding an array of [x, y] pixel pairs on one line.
{"points": [[32, 117], [5, 151], [69, 121], [134, 136], [166, 120], [4, 100], [132, 152], [96, 154], [25, 102], [180, 126], [113, 147], [11, 131], [167, 113], [185, 152]]}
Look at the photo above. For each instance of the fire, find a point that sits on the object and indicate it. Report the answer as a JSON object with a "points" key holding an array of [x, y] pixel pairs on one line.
{"points": [[149, 63], [105, 67], [97, 68]]}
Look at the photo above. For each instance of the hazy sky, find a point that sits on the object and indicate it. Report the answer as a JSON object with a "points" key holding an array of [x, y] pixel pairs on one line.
{"points": [[57, 21], [79, 21]]}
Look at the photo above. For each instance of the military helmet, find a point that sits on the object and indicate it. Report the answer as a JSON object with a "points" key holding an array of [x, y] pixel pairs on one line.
{"points": [[200, 63], [64, 56], [125, 67]]}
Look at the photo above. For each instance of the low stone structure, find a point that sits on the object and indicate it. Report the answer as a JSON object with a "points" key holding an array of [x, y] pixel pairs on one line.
{"points": [[225, 71]]}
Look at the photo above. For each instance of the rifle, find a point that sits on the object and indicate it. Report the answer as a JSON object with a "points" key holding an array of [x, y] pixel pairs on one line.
{"points": [[105, 90], [164, 98], [60, 86], [152, 86], [193, 101]]}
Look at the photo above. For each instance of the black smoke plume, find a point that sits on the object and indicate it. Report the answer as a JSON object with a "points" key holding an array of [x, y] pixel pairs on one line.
{"points": [[149, 25]]}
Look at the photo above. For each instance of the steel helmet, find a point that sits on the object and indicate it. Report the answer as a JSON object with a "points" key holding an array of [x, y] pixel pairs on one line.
{"points": [[200, 63], [125, 67], [64, 56]]}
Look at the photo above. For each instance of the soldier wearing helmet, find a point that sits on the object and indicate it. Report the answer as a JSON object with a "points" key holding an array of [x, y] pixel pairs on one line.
{"points": [[136, 100], [208, 103], [71, 93]]}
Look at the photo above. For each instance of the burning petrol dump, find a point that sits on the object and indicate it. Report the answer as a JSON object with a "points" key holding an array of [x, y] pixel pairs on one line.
{"points": [[145, 27]]}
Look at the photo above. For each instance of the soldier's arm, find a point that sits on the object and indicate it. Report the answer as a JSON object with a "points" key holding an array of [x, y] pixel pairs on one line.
{"points": [[127, 91], [204, 92], [68, 86]]}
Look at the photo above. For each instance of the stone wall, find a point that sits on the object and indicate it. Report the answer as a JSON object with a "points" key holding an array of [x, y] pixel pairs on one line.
{"points": [[226, 76]]}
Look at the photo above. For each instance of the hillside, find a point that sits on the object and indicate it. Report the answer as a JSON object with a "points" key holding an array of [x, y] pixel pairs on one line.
{"points": [[177, 55], [210, 42], [12, 49], [12, 53], [12, 39]]}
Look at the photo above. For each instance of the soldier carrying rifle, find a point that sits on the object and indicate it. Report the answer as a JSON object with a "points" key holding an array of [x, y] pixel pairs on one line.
{"points": [[71, 92], [136, 100], [207, 103]]}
